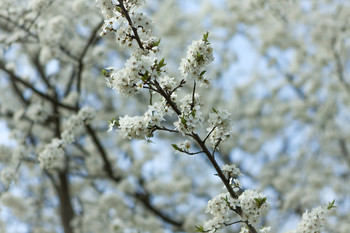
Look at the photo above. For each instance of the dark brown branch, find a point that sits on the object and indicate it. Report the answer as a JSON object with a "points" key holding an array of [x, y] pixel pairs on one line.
{"points": [[167, 98], [156, 127], [66, 209], [40, 69], [193, 94], [19, 26], [70, 83], [82, 55], [145, 199], [30, 86], [344, 151], [339, 67], [127, 16], [101, 150], [182, 82]]}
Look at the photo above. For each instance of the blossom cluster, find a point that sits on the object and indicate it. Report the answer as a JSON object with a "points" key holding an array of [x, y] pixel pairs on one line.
{"points": [[312, 221], [220, 207], [219, 126], [245, 229], [52, 157], [139, 69], [191, 117], [37, 112], [231, 171], [117, 23], [254, 205], [167, 83], [109, 7], [199, 54], [52, 32], [37, 4], [141, 127], [185, 145], [7, 175]]}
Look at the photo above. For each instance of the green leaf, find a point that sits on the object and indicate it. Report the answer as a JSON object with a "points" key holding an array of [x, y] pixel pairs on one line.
{"points": [[260, 201], [175, 147], [199, 57], [205, 37], [183, 120], [214, 110], [156, 43], [203, 72], [331, 205], [161, 63], [106, 73], [145, 76], [119, 9], [199, 228]]}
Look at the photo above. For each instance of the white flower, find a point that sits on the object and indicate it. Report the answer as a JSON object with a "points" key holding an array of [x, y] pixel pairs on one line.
{"points": [[312, 221], [134, 127], [86, 114], [265, 230], [128, 81], [167, 83], [220, 126], [191, 117], [236, 185], [7, 175], [52, 156], [231, 171], [111, 125], [37, 4], [199, 55], [142, 21], [106, 6], [221, 208], [37, 112], [19, 206], [185, 145], [254, 206], [67, 137]]}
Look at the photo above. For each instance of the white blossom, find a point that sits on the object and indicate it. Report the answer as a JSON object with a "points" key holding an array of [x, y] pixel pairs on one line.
{"points": [[191, 117], [167, 83], [185, 145], [52, 156], [37, 4], [107, 7], [221, 208], [133, 127], [37, 112], [252, 211], [312, 221], [231, 171], [245, 229], [199, 55], [20, 206], [7, 175], [128, 81], [220, 126]]}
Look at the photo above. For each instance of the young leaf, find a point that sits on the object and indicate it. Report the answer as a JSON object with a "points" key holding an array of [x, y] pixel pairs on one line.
{"points": [[199, 228], [260, 201], [175, 147], [205, 37], [331, 205]]}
